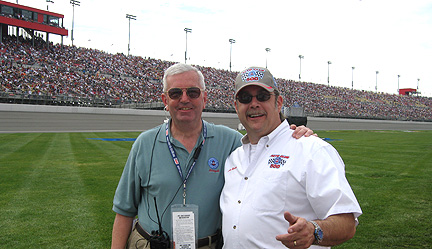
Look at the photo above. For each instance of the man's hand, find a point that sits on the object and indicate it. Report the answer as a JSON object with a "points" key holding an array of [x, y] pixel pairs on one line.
{"points": [[300, 233], [337, 229], [302, 131]]}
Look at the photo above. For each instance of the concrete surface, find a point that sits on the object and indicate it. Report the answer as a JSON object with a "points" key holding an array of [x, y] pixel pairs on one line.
{"points": [[16, 118]]}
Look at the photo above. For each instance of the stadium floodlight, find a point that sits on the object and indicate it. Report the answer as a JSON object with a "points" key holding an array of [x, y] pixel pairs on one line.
{"points": [[352, 78], [187, 30], [398, 84], [74, 3], [418, 81], [49, 1], [328, 72], [300, 57], [267, 50], [376, 81], [231, 41], [128, 16]]}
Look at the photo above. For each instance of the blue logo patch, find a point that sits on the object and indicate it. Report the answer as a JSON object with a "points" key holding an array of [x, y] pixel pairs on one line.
{"points": [[213, 163]]}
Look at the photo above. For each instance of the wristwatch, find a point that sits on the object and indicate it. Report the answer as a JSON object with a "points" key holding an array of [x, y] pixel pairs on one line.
{"points": [[318, 233]]}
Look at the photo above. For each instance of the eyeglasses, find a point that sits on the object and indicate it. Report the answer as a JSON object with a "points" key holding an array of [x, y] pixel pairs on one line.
{"points": [[246, 98], [191, 92]]}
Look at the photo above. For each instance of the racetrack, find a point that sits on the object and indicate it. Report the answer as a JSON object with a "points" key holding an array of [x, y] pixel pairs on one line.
{"points": [[28, 118]]}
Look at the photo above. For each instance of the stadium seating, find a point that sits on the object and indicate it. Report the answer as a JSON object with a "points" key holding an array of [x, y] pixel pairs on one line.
{"points": [[65, 75]]}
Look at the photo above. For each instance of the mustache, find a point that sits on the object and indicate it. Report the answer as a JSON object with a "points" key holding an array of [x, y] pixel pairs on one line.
{"points": [[180, 106], [254, 112]]}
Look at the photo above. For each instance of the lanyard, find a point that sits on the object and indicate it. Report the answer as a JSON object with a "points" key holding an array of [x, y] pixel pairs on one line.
{"points": [[177, 162]]}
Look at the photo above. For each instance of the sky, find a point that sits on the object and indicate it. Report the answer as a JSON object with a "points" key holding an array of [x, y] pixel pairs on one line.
{"points": [[393, 37]]}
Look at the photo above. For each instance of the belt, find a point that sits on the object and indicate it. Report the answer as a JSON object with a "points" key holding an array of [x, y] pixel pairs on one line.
{"points": [[201, 242]]}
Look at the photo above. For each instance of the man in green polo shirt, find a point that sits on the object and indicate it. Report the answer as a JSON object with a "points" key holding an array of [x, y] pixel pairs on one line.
{"points": [[179, 163]]}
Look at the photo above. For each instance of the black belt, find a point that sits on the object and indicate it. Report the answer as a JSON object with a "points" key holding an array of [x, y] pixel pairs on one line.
{"points": [[201, 242]]}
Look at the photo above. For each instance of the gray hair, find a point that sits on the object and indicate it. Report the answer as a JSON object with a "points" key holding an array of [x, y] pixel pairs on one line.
{"points": [[181, 68]]}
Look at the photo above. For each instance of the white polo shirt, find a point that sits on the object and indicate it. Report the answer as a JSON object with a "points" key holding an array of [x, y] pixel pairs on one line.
{"points": [[304, 176]]}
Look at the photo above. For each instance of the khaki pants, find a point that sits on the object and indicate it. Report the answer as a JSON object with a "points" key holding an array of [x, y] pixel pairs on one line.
{"points": [[136, 241]]}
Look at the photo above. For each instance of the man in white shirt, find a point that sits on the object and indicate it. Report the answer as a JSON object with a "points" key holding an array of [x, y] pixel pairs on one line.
{"points": [[281, 192]]}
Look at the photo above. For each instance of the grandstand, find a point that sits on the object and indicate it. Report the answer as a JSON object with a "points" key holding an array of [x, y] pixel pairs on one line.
{"points": [[30, 21], [34, 73]]}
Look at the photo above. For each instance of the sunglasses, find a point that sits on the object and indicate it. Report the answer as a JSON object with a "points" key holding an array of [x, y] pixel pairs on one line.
{"points": [[246, 98], [191, 92]]}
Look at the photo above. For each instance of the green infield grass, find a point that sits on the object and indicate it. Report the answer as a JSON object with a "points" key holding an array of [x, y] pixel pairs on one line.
{"points": [[56, 189]]}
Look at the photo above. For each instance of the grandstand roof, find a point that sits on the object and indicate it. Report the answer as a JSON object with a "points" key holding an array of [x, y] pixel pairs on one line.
{"points": [[39, 25]]}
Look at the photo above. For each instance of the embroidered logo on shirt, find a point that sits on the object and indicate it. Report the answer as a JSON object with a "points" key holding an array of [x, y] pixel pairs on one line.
{"points": [[213, 163], [277, 161], [233, 168]]}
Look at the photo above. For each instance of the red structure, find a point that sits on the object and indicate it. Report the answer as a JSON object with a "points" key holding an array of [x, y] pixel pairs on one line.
{"points": [[30, 19], [408, 91]]}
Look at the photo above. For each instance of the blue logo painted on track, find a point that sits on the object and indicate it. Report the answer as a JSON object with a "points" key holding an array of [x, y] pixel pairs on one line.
{"points": [[114, 139], [331, 139]]}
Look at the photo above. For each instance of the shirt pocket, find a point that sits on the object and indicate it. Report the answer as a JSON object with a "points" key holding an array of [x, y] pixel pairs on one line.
{"points": [[270, 193]]}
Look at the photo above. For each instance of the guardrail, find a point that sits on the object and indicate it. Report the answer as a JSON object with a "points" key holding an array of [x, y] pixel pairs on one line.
{"points": [[63, 100]]}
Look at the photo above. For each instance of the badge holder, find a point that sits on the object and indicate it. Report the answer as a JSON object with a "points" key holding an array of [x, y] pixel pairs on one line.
{"points": [[184, 226]]}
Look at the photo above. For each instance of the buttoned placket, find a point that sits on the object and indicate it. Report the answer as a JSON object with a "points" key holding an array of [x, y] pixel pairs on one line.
{"points": [[248, 169]]}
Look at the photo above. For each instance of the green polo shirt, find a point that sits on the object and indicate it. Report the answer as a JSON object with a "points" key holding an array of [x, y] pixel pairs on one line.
{"points": [[150, 172]]}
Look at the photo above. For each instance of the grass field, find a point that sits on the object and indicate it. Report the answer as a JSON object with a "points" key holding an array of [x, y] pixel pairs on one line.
{"points": [[56, 189]]}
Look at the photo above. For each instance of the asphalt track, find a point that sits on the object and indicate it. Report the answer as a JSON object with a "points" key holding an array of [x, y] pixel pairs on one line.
{"points": [[25, 119]]}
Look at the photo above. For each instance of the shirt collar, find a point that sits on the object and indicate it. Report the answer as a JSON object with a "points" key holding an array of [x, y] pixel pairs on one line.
{"points": [[269, 137], [162, 138]]}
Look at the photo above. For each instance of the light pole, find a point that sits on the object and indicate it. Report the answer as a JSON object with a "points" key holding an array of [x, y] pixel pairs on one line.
{"points": [[418, 80], [267, 50], [328, 72], [300, 57], [49, 1], [398, 84], [231, 41], [128, 16], [187, 30], [77, 3], [376, 81], [352, 78]]}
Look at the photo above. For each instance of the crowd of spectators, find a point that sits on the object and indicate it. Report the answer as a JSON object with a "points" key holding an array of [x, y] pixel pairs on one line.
{"points": [[55, 70]]}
